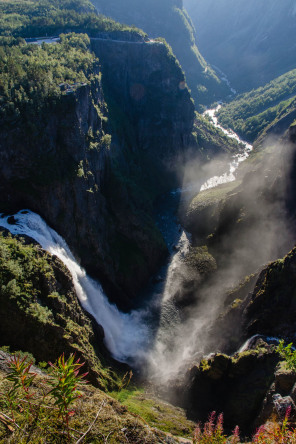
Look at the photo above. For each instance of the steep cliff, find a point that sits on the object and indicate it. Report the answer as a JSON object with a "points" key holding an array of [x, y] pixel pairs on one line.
{"points": [[252, 42], [168, 19], [91, 174]]}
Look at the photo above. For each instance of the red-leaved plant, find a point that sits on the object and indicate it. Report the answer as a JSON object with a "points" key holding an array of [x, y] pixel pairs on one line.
{"points": [[62, 387], [212, 432], [64, 384]]}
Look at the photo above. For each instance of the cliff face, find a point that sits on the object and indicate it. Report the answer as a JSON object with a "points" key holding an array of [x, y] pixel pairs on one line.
{"points": [[86, 184], [149, 103], [250, 41], [168, 19]]}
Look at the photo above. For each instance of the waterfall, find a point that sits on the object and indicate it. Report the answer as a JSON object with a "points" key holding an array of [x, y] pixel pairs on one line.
{"points": [[178, 341], [126, 335], [163, 346]]}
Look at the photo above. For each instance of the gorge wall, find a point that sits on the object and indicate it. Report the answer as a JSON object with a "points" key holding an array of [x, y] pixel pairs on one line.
{"points": [[78, 166], [169, 19]]}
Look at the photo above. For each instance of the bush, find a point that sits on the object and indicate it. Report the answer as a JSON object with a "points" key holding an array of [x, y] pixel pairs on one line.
{"points": [[32, 412], [287, 354]]}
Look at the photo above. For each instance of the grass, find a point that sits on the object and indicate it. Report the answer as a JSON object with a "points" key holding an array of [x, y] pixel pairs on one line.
{"points": [[212, 196], [155, 412], [133, 420]]}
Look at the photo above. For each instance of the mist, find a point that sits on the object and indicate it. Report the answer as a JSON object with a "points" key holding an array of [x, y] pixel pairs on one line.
{"points": [[253, 229]]}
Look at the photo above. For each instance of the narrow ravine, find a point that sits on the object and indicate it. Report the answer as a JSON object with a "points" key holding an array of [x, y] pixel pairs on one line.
{"points": [[153, 336], [175, 340]]}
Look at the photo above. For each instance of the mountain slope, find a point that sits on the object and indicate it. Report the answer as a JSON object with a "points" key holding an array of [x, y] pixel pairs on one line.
{"points": [[252, 42], [250, 114]]}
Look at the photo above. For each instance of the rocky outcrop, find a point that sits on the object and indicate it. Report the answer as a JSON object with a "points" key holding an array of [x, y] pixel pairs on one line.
{"points": [[264, 304], [234, 385], [271, 307], [280, 398]]}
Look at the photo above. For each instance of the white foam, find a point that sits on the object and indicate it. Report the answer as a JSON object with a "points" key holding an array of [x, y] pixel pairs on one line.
{"points": [[126, 335]]}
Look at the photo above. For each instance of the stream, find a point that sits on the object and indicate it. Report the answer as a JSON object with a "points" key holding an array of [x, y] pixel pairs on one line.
{"points": [[153, 337]]}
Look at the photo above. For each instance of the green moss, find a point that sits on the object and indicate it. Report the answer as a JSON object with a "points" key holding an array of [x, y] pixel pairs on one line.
{"points": [[239, 357], [200, 259], [40, 312], [211, 197], [155, 412]]}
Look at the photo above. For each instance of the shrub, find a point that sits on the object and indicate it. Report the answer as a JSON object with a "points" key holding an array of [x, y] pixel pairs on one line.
{"points": [[34, 412], [212, 432], [287, 354]]}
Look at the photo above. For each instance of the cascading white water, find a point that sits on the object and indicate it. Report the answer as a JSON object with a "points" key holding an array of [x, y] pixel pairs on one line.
{"points": [[126, 335], [175, 342], [236, 159]]}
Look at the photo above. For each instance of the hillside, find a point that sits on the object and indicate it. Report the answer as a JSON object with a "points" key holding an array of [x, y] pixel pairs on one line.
{"points": [[249, 41], [251, 113], [169, 19]]}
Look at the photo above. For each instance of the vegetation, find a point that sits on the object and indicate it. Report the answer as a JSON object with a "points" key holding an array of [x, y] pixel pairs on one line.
{"points": [[212, 140], [251, 112], [32, 413], [37, 293], [154, 411], [34, 18], [30, 75], [270, 433], [288, 353], [57, 407]]}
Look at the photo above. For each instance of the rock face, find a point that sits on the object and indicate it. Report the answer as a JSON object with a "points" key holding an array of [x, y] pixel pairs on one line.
{"points": [[250, 41], [271, 307], [168, 19], [246, 226], [264, 304], [95, 192], [147, 85], [235, 386]]}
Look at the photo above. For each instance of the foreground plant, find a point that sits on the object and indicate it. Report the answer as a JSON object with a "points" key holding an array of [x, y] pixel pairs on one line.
{"points": [[270, 433], [287, 354], [275, 433], [36, 411], [212, 432], [21, 379], [64, 384]]}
